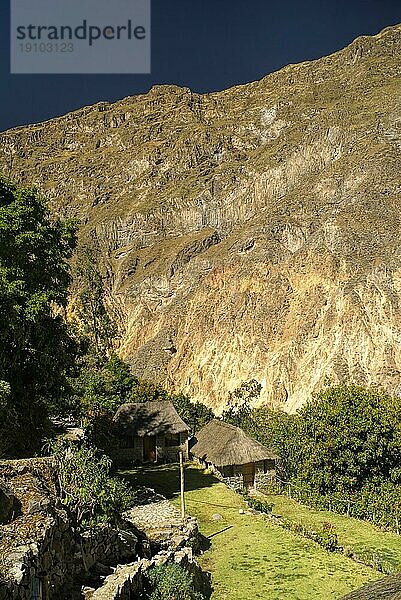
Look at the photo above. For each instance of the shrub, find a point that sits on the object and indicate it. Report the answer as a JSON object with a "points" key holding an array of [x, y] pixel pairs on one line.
{"points": [[263, 507], [172, 582], [86, 488]]}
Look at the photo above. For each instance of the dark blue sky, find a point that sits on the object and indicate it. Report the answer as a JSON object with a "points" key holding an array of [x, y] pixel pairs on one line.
{"points": [[202, 44]]}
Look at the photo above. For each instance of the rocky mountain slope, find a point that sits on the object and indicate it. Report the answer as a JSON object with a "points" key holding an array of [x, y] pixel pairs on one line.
{"points": [[249, 233]]}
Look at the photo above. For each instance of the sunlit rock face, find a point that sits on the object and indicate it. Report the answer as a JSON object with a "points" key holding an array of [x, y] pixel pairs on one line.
{"points": [[249, 233]]}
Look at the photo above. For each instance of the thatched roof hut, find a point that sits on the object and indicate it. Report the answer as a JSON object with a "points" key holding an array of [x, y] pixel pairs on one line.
{"points": [[388, 588], [149, 419], [222, 444]]}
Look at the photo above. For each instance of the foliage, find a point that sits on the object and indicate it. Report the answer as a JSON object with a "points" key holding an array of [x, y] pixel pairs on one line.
{"points": [[37, 351], [100, 387], [376, 560], [171, 581], [279, 431], [256, 503], [146, 391], [325, 536], [239, 403], [86, 488], [7, 415], [104, 384], [349, 436], [195, 414]]}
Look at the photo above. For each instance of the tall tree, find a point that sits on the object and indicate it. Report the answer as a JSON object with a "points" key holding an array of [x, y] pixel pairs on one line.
{"points": [[239, 404], [36, 349]]}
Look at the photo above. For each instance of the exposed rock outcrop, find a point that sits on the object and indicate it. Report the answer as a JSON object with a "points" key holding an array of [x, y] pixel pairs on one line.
{"points": [[249, 233]]}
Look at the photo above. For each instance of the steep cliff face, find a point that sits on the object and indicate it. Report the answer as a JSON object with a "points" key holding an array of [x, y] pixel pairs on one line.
{"points": [[249, 233]]}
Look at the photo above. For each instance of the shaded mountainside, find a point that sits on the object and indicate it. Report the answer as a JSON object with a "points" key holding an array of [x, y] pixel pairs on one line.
{"points": [[249, 233]]}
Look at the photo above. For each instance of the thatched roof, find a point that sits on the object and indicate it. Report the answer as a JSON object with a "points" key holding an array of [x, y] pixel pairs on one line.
{"points": [[388, 588], [149, 418], [222, 444]]}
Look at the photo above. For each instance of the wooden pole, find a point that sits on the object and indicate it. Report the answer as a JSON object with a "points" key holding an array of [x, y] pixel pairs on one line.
{"points": [[182, 486]]}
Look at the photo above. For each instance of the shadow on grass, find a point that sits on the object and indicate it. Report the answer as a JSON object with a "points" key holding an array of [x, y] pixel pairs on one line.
{"points": [[209, 537], [165, 479]]}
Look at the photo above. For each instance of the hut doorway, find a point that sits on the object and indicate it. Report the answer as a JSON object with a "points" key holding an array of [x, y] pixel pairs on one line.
{"points": [[248, 473], [149, 448]]}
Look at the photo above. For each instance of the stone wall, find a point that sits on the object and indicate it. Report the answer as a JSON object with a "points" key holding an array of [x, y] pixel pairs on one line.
{"points": [[236, 480], [40, 554], [172, 540], [236, 483], [156, 519], [43, 558], [130, 581]]}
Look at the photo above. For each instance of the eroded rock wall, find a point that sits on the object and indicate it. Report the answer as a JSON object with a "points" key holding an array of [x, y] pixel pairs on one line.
{"points": [[249, 233]]}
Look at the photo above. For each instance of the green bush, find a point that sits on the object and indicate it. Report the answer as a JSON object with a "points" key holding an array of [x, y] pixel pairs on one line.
{"points": [[263, 507], [86, 488], [172, 582]]}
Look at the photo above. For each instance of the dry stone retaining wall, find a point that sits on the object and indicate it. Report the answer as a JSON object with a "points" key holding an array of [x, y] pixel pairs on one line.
{"points": [[129, 581], [40, 554], [42, 558]]}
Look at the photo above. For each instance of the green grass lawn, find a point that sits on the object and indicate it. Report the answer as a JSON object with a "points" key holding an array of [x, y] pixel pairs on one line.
{"points": [[357, 535], [250, 558]]}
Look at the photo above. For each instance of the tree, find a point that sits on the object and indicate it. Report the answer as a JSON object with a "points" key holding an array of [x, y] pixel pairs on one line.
{"points": [[279, 431], [349, 436], [103, 384], [34, 280], [146, 391], [239, 404], [7, 416], [195, 414]]}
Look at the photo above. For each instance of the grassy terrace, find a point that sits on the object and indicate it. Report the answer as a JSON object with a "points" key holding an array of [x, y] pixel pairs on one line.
{"points": [[250, 558], [359, 536]]}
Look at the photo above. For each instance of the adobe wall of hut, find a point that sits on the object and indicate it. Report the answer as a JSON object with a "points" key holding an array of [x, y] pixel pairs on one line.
{"points": [[131, 450]]}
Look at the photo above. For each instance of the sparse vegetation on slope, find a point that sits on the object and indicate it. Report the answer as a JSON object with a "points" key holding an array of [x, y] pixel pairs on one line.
{"points": [[252, 232]]}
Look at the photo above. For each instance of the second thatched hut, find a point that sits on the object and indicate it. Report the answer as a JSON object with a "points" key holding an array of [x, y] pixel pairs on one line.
{"points": [[240, 460]]}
